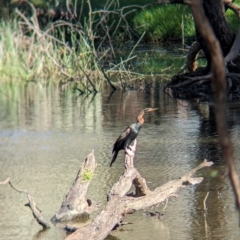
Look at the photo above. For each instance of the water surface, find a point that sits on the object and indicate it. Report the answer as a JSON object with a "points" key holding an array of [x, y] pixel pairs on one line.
{"points": [[45, 135]]}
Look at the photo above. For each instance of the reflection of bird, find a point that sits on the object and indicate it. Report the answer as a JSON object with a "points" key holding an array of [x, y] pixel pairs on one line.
{"points": [[129, 134]]}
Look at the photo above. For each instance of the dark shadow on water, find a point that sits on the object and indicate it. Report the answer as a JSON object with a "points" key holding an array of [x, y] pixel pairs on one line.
{"points": [[42, 234]]}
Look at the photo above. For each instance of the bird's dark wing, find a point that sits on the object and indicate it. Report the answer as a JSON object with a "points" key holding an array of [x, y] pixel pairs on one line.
{"points": [[115, 153], [118, 144], [124, 134]]}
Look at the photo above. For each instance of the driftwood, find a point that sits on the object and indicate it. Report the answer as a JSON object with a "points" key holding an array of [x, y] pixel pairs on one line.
{"points": [[32, 205], [75, 205], [120, 202]]}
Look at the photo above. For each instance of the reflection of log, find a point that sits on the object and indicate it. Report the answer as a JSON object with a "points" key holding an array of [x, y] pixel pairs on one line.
{"points": [[75, 205], [120, 203]]}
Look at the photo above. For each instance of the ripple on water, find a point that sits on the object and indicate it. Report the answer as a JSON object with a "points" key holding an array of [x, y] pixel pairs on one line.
{"points": [[43, 155]]}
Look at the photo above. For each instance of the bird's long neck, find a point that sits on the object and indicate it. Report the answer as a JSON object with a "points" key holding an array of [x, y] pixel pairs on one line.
{"points": [[140, 118]]}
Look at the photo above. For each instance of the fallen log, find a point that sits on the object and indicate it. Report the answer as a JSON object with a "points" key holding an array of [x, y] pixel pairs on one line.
{"points": [[120, 202], [75, 205]]}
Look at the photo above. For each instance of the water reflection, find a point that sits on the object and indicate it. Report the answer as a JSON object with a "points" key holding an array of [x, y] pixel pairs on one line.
{"points": [[45, 134]]}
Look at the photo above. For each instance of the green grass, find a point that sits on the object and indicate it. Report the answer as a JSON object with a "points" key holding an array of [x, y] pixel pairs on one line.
{"points": [[21, 57], [165, 22], [174, 22], [162, 64], [45, 56]]}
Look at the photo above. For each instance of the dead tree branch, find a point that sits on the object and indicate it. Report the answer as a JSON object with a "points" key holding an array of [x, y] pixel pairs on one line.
{"points": [[120, 202], [75, 205], [32, 205], [5, 182]]}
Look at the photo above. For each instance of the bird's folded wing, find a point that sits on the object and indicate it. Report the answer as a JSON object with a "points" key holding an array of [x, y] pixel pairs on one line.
{"points": [[124, 134]]}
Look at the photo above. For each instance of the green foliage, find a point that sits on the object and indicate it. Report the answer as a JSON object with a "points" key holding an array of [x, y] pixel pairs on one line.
{"points": [[232, 20], [165, 22], [45, 55], [214, 173], [172, 22], [87, 175], [66, 52], [160, 61], [11, 59]]}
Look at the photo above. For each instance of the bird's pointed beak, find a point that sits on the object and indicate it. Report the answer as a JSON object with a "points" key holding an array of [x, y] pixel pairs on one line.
{"points": [[152, 109]]}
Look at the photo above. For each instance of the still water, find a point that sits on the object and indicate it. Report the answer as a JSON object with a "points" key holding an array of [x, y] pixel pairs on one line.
{"points": [[45, 135]]}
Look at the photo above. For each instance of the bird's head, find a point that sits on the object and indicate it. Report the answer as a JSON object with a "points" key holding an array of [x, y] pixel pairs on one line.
{"points": [[145, 110]]}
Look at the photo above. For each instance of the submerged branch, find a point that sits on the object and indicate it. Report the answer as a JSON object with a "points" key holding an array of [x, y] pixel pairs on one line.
{"points": [[32, 205]]}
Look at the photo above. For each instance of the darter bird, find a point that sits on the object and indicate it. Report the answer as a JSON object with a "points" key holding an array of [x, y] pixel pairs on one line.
{"points": [[129, 134]]}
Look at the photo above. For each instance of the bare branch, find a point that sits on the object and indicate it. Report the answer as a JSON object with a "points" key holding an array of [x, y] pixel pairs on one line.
{"points": [[232, 6], [204, 202], [120, 203], [35, 211], [5, 182]]}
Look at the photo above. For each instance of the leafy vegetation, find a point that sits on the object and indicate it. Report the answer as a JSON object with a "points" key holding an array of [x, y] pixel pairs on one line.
{"points": [[165, 22], [76, 53], [87, 175], [41, 55], [232, 20], [174, 22]]}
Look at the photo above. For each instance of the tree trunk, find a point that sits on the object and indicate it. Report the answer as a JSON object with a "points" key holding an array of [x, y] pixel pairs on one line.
{"points": [[214, 11], [196, 83]]}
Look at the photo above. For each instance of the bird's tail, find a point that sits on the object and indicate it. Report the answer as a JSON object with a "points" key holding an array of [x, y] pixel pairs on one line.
{"points": [[115, 153]]}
